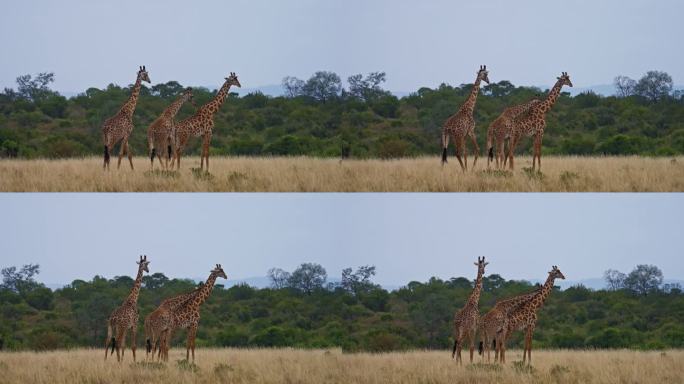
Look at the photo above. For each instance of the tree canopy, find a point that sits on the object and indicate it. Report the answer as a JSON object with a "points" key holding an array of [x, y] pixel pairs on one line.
{"points": [[321, 116], [356, 314]]}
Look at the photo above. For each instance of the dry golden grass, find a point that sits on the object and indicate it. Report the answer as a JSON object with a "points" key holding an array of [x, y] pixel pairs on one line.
{"points": [[318, 366], [306, 174]]}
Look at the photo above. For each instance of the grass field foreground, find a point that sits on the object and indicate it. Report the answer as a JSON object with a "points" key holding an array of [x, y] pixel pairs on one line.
{"points": [[333, 366], [306, 174]]}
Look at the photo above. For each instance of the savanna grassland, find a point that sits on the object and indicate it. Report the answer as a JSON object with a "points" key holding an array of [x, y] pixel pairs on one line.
{"points": [[312, 174], [333, 366]]}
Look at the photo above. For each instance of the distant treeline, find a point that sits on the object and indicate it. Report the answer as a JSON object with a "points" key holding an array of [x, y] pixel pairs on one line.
{"points": [[320, 117], [302, 309]]}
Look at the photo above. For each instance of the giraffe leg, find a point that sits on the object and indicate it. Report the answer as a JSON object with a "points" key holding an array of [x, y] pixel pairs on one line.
{"points": [[130, 154], [105, 165], [529, 348], [500, 155], [512, 143], [206, 149], [158, 346], [537, 148], [445, 144], [476, 148], [119, 338], [109, 341], [179, 151], [122, 152], [134, 332], [123, 343], [471, 340], [459, 150], [465, 152], [459, 346], [190, 343]]}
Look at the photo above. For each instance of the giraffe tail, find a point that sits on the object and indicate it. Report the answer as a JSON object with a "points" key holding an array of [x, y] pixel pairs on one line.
{"points": [[445, 144], [152, 153], [480, 348], [106, 153], [113, 344], [148, 345], [453, 352]]}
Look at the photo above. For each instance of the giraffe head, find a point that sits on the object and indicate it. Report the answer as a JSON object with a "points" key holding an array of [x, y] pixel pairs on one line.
{"points": [[481, 264], [142, 74], [556, 273], [218, 271], [188, 96], [143, 263], [233, 80], [483, 74], [564, 79]]}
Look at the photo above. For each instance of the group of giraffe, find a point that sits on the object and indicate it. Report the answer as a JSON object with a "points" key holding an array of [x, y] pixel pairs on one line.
{"points": [[165, 133], [528, 119], [506, 317], [179, 312]]}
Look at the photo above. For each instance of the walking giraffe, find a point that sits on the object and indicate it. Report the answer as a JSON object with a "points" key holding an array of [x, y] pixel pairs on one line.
{"points": [[125, 317], [495, 318], [525, 317], [119, 127], [467, 318], [160, 134], [533, 122], [187, 315], [159, 319], [462, 124], [202, 123], [501, 129]]}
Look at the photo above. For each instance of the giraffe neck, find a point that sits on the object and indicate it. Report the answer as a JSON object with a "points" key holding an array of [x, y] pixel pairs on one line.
{"points": [[474, 298], [173, 109], [129, 107], [551, 98], [204, 292], [214, 105], [546, 289], [135, 291], [469, 105]]}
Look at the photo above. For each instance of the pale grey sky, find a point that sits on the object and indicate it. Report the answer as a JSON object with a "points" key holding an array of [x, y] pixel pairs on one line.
{"points": [[418, 43], [407, 236]]}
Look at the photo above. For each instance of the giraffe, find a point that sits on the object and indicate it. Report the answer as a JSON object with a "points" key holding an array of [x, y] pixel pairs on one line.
{"points": [[160, 133], [157, 320], [462, 124], [125, 317], [202, 123], [500, 130], [188, 316], [119, 127], [533, 122], [495, 318], [466, 319], [525, 317]]}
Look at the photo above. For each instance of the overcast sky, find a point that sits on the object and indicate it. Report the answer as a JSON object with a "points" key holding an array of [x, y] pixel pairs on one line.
{"points": [[418, 43], [407, 236]]}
